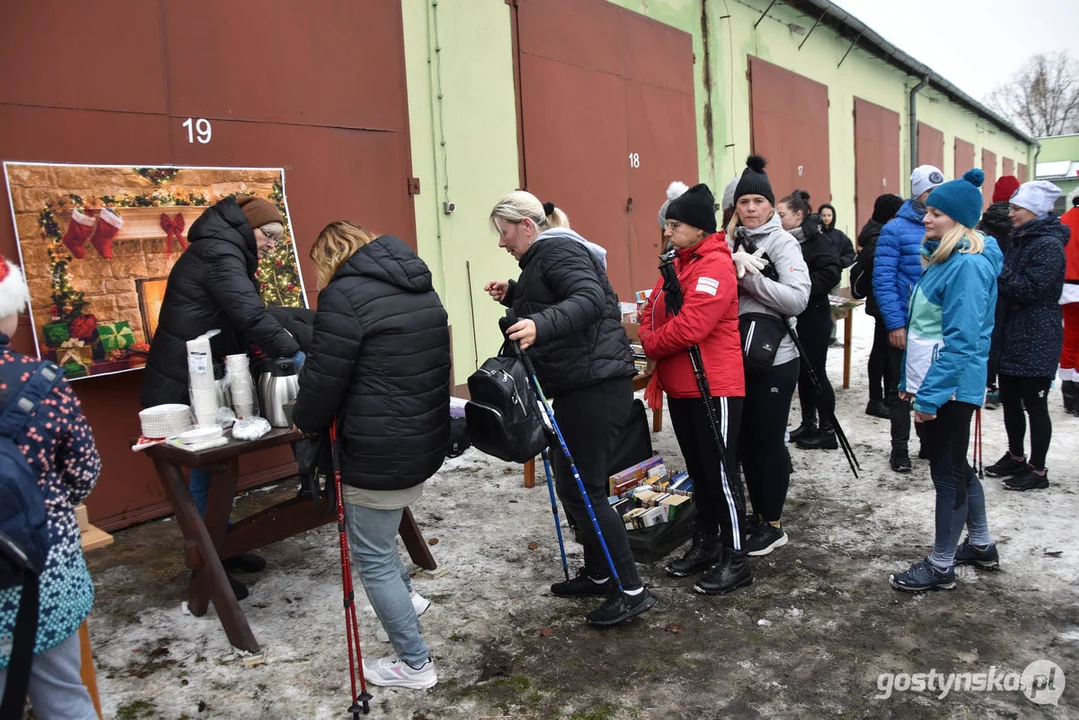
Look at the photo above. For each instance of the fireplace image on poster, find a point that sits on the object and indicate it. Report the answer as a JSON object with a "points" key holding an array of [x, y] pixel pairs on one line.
{"points": [[97, 242]]}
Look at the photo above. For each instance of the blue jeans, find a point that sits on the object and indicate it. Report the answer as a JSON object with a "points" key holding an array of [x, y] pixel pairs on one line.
{"points": [[372, 542], [56, 689], [960, 498], [199, 485]]}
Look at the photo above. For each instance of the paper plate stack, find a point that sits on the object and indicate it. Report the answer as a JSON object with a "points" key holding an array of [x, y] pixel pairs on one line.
{"points": [[162, 421]]}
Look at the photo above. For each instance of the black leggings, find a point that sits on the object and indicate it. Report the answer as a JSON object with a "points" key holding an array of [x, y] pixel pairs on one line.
{"points": [[762, 443], [1031, 393], [592, 420], [720, 500], [814, 326], [878, 361]]}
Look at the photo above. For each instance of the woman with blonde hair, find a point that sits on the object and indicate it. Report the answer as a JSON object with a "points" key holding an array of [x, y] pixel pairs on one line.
{"points": [[570, 321], [379, 367], [948, 334]]}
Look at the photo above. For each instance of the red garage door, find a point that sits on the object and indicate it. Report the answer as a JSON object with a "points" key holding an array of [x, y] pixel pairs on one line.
{"points": [[607, 122], [789, 124], [964, 157], [989, 167], [930, 147], [1022, 176], [1007, 167], [141, 70], [876, 157]]}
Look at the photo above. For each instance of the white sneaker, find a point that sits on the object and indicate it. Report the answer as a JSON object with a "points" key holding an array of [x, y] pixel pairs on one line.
{"points": [[419, 603], [391, 672]]}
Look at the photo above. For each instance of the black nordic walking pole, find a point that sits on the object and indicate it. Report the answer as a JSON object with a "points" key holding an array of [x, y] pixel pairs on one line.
{"points": [[504, 324], [672, 292], [361, 702], [554, 511], [841, 436]]}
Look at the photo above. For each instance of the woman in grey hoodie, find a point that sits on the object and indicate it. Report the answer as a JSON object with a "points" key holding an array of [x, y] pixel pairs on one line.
{"points": [[767, 297]]}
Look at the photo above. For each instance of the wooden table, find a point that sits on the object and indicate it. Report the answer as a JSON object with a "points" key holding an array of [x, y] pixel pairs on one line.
{"points": [[210, 538]]}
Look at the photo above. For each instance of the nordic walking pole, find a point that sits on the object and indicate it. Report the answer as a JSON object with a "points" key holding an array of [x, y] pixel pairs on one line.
{"points": [[362, 702], [504, 324], [554, 511]]}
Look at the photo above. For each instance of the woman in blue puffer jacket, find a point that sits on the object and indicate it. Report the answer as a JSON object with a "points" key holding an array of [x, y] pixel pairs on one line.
{"points": [[948, 336]]}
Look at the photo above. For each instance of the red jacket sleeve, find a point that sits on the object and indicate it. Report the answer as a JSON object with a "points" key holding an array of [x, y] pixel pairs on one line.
{"points": [[709, 287], [645, 317]]}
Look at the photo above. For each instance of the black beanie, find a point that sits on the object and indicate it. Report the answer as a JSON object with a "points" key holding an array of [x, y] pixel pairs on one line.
{"points": [[754, 180], [696, 207], [885, 207]]}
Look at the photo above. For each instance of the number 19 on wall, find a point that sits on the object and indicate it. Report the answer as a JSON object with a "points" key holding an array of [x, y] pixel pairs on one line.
{"points": [[198, 129]]}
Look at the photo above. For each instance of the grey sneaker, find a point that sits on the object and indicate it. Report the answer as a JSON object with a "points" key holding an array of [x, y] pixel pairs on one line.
{"points": [[923, 576], [392, 672], [968, 554]]}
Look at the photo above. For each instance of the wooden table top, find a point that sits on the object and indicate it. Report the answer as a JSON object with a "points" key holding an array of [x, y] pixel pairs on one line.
{"points": [[169, 452]]}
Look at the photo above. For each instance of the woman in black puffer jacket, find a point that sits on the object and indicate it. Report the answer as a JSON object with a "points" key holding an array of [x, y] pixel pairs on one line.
{"points": [[884, 209], [380, 365], [570, 318], [815, 322]]}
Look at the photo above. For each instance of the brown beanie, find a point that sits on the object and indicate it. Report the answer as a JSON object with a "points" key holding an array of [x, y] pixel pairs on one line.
{"points": [[258, 211]]}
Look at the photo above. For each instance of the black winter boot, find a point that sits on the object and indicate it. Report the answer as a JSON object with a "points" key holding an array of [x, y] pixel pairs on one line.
{"points": [[822, 439], [730, 573], [808, 427], [1068, 390], [705, 552]]}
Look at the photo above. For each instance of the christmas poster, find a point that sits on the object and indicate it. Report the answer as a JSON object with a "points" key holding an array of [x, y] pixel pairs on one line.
{"points": [[97, 243]]}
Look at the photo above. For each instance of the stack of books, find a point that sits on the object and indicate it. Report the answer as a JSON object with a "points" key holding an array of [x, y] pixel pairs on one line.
{"points": [[648, 493]]}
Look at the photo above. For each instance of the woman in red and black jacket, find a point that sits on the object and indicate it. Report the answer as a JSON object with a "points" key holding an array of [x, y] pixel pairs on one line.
{"points": [[707, 319]]}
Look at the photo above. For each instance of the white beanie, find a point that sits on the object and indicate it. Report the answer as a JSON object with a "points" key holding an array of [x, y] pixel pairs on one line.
{"points": [[925, 177], [1036, 196], [13, 292], [728, 193], [674, 191]]}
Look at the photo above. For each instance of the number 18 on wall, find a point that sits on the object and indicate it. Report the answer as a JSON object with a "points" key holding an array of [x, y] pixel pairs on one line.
{"points": [[634, 160], [198, 129]]}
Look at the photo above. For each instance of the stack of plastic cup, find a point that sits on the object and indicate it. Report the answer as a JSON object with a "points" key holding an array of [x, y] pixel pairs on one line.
{"points": [[243, 389], [203, 387]]}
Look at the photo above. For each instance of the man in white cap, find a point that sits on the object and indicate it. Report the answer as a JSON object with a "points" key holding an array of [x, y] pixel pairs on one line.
{"points": [[1029, 333], [897, 265]]}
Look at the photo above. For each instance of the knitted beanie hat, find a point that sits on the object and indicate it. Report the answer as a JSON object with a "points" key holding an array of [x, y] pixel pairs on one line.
{"points": [[259, 211], [885, 207], [696, 207], [961, 199], [728, 193], [1037, 196], [754, 181], [1004, 188], [674, 191], [924, 177], [13, 292]]}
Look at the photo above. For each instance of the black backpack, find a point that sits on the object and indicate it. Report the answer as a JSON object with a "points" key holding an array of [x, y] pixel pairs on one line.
{"points": [[24, 534], [502, 416]]}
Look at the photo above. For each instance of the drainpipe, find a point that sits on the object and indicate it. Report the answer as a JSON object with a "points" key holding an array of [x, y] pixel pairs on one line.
{"points": [[914, 120]]}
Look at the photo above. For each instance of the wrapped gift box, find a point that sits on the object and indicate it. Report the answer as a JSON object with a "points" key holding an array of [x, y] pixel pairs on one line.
{"points": [[56, 333], [74, 370], [84, 327], [116, 336], [75, 357]]}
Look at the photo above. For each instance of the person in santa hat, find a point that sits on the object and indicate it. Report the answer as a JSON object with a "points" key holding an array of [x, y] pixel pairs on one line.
{"points": [[41, 420]]}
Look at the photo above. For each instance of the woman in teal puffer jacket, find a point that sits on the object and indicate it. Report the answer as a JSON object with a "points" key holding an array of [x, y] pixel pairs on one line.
{"points": [[948, 335]]}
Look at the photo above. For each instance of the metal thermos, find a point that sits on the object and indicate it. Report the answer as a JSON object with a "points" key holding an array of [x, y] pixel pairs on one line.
{"points": [[283, 388], [265, 367]]}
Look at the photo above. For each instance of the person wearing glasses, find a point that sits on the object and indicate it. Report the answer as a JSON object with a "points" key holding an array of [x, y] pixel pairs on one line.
{"points": [[213, 286]]}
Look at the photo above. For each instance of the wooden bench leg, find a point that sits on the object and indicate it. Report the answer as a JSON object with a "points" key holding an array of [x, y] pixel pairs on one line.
{"points": [[530, 473], [89, 675]]}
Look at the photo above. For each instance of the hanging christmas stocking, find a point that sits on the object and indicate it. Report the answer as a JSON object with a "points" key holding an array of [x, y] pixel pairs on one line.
{"points": [[108, 224], [77, 231]]}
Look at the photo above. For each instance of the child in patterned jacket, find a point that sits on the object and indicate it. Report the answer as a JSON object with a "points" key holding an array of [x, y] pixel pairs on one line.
{"points": [[59, 447]]}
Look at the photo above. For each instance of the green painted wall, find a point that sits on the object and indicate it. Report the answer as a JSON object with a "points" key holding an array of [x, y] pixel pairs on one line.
{"points": [[464, 125], [1060, 147], [464, 149]]}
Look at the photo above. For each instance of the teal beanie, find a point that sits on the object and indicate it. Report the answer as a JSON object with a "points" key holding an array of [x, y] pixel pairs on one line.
{"points": [[960, 199]]}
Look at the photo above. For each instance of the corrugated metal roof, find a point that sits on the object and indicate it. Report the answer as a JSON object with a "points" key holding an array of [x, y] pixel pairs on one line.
{"points": [[1057, 170], [850, 27]]}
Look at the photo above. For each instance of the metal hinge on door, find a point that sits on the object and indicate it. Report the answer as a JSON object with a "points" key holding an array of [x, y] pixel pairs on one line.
{"points": [[413, 186]]}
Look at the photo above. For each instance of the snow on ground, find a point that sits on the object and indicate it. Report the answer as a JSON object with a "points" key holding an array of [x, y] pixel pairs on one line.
{"points": [[505, 648]]}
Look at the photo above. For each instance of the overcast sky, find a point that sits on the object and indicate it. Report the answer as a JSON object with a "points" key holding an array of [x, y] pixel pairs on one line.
{"points": [[975, 44]]}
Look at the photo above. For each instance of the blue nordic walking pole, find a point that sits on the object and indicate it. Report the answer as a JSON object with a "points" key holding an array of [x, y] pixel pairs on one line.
{"points": [[504, 324], [554, 511]]}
